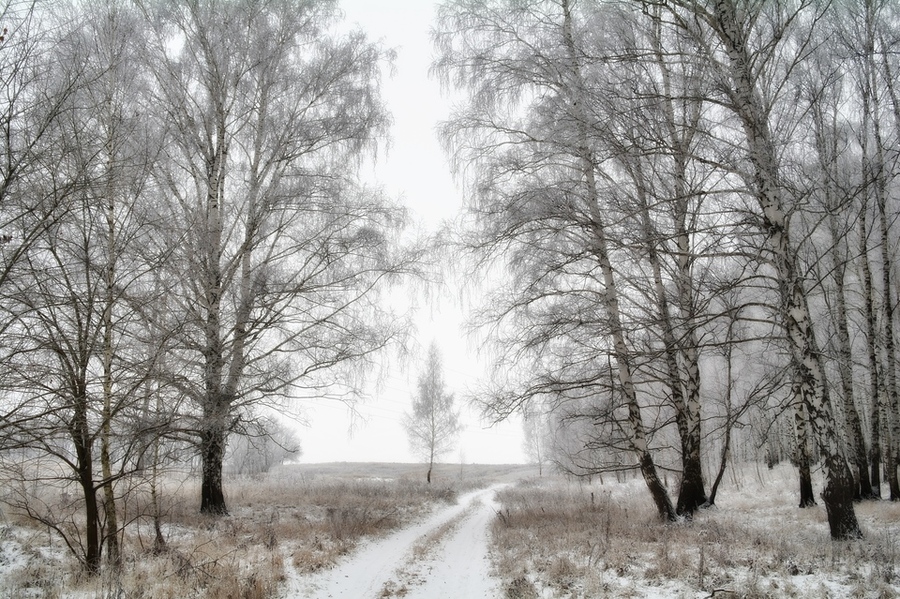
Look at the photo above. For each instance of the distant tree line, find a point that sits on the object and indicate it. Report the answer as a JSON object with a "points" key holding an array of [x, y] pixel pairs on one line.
{"points": [[692, 206], [184, 243]]}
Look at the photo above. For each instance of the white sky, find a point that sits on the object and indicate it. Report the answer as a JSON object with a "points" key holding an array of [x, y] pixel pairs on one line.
{"points": [[415, 170]]}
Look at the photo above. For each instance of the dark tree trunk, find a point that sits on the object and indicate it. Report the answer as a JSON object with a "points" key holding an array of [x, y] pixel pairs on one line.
{"points": [[658, 492], [890, 468], [864, 488], [691, 495], [212, 453], [875, 384], [84, 455], [726, 452], [875, 457], [838, 499], [729, 416], [92, 551], [807, 497], [428, 475]]}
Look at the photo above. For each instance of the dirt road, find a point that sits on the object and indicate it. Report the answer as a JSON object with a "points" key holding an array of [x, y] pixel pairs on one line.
{"points": [[444, 556]]}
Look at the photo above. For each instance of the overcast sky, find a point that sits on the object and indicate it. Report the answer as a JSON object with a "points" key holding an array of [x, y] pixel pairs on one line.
{"points": [[414, 170]]}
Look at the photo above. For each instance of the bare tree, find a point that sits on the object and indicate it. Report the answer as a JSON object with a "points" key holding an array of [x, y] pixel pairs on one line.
{"points": [[433, 425], [281, 255], [36, 96], [567, 167], [70, 292], [261, 444], [877, 176], [537, 433], [746, 45]]}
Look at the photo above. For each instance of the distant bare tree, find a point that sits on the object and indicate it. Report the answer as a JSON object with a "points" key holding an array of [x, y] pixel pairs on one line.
{"points": [[537, 433], [261, 444], [433, 425]]}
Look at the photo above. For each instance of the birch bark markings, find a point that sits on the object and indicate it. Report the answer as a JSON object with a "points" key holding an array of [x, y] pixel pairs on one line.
{"points": [[681, 131], [876, 385], [745, 101], [280, 255], [875, 179], [598, 246], [827, 151]]}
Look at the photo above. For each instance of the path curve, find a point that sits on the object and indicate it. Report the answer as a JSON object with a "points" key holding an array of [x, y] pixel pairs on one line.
{"points": [[446, 555]]}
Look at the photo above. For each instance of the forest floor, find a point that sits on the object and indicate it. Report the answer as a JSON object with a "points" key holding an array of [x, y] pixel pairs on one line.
{"points": [[376, 531]]}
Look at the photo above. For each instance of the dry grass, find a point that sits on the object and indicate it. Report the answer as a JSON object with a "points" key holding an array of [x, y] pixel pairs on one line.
{"points": [[309, 515], [556, 538]]}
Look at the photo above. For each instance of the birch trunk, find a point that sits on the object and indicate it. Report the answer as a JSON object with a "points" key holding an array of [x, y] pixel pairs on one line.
{"points": [[804, 457], [599, 249], [113, 555], [828, 154], [890, 368], [691, 491], [216, 405], [876, 388], [810, 381], [876, 392], [876, 177], [855, 439], [691, 494]]}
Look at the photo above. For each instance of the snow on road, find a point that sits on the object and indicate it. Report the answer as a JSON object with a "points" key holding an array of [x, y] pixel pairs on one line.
{"points": [[444, 556]]}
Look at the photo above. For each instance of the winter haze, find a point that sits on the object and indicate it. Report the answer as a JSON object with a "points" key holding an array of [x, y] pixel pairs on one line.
{"points": [[507, 299]]}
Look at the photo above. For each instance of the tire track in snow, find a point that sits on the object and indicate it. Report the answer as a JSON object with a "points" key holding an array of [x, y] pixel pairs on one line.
{"points": [[456, 565], [461, 565]]}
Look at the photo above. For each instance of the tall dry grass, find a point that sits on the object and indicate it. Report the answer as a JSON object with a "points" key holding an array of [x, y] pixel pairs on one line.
{"points": [[305, 517], [558, 538]]}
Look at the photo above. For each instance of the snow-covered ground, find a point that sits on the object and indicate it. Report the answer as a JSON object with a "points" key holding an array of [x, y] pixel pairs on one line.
{"points": [[553, 538], [446, 555]]}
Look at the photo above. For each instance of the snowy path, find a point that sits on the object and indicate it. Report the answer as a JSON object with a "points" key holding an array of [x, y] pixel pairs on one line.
{"points": [[444, 556]]}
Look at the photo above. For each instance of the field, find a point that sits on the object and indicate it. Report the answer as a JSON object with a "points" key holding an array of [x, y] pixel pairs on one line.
{"points": [[547, 537], [561, 538], [298, 519]]}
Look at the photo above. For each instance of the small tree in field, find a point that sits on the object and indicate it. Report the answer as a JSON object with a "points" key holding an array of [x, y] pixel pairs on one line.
{"points": [[433, 424]]}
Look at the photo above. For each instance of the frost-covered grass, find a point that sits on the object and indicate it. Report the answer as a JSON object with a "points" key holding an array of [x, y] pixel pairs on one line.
{"points": [[302, 517], [560, 538]]}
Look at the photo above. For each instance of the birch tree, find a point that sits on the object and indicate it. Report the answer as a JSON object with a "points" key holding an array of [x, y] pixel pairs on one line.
{"points": [[877, 175], [73, 289], [833, 151], [433, 425], [536, 430], [540, 197], [268, 109], [747, 44]]}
